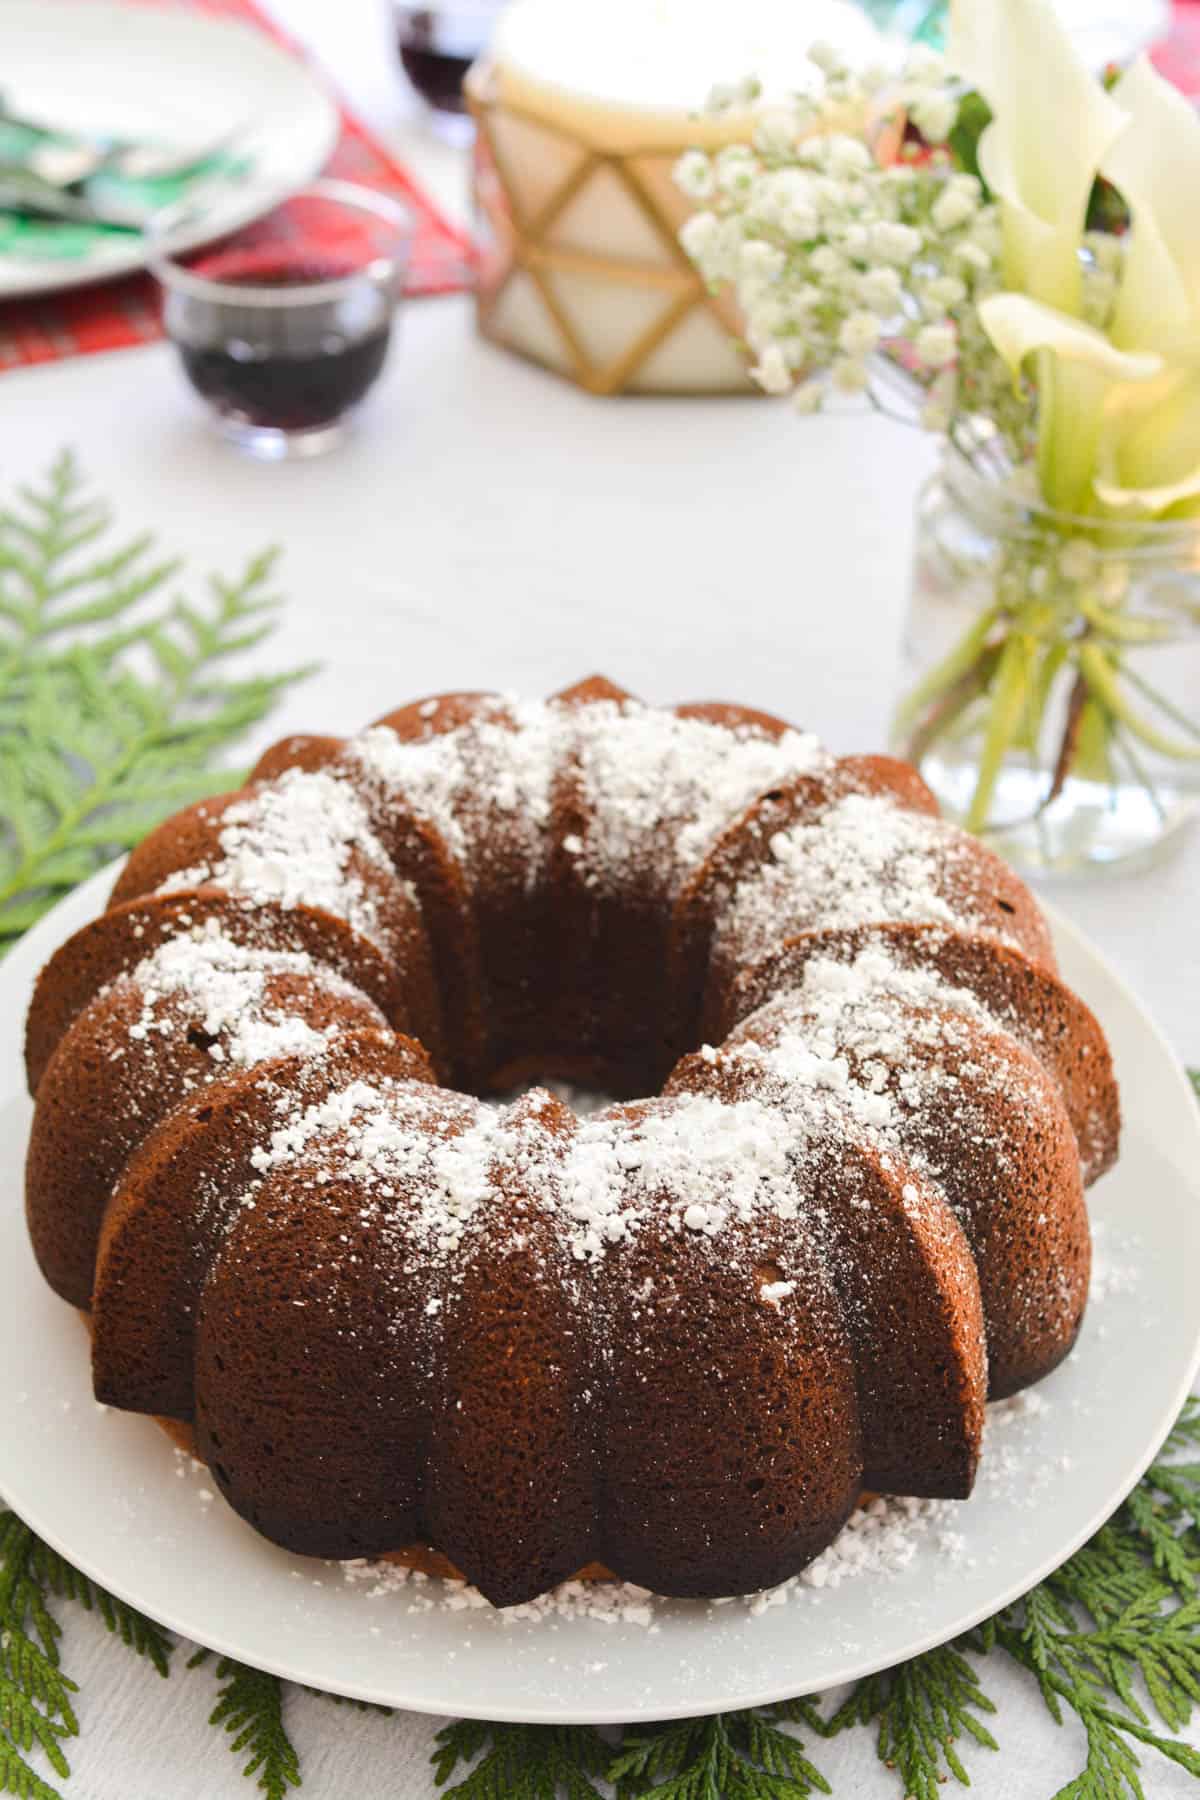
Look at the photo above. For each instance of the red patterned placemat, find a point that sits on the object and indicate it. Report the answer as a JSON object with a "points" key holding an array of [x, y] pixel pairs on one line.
{"points": [[117, 315], [1178, 56]]}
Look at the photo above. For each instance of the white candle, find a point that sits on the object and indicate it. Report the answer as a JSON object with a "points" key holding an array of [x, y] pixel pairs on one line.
{"points": [[584, 107], [630, 73]]}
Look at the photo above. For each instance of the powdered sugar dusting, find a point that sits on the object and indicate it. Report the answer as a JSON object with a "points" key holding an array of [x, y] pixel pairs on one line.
{"points": [[423, 1157], [294, 842], [861, 861], [223, 988], [659, 788], [503, 761], [842, 1043], [879, 1540], [701, 1160]]}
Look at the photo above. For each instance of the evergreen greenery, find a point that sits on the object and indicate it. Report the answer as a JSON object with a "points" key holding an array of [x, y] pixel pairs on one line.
{"points": [[521, 1762], [734, 1756], [250, 1707], [36, 1707], [113, 694]]}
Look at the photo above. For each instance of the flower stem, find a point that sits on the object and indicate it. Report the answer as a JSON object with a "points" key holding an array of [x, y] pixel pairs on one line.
{"points": [[1097, 669], [950, 670], [1008, 705], [953, 703]]}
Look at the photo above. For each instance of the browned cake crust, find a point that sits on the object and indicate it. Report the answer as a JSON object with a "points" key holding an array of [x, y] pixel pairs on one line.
{"points": [[676, 1340]]}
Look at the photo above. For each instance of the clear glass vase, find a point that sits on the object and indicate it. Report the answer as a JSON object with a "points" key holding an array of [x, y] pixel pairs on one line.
{"points": [[1050, 691]]}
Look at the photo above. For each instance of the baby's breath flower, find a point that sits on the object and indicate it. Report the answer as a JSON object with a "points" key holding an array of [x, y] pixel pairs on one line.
{"points": [[699, 233], [895, 243], [771, 371], [768, 316], [849, 375], [736, 168], [881, 290], [761, 261], [827, 262], [974, 256], [854, 239], [935, 115], [802, 302], [775, 133], [826, 251], [694, 174], [784, 199], [847, 155], [935, 345], [945, 292], [952, 208], [859, 334], [713, 244]]}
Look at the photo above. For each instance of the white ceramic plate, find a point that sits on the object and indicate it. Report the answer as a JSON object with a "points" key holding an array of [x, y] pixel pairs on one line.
{"points": [[159, 73], [103, 1486]]}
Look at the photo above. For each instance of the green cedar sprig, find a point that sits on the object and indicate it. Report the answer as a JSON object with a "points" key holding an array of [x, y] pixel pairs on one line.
{"points": [[921, 1711], [521, 1762], [250, 1708], [36, 1706], [113, 696], [733, 1756]]}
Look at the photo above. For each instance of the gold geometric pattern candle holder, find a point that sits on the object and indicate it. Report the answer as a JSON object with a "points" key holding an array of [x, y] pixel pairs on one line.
{"points": [[581, 268]]}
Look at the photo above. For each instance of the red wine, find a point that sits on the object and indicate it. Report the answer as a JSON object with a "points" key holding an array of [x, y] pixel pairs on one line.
{"points": [[438, 44], [289, 368], [437, 78]]}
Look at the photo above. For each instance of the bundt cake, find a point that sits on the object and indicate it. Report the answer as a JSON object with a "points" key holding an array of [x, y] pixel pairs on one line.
{"points": [[836, 1203]]}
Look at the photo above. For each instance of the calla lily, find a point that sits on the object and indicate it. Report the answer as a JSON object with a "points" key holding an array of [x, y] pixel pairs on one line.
{"points": [[1150, 455], [1079, 369], [1150, 450], [1020, 58], [1156, 164]]}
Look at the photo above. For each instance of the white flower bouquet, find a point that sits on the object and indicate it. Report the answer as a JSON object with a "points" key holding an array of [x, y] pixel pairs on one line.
{"points": [[1000, 246]]}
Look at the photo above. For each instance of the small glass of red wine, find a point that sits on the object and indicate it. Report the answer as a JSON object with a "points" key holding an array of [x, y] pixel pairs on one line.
{"points": [[437, 45], [283, 327]]}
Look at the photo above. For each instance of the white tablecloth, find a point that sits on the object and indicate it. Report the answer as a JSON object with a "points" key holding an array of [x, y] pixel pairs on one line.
{"points": [[489, 527]]}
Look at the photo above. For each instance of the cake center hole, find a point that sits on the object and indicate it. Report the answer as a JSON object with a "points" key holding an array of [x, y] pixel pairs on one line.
{"points": [[582, 1100]]}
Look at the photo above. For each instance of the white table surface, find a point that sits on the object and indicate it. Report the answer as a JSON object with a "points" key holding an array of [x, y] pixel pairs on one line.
{"points": [[489, 527]]}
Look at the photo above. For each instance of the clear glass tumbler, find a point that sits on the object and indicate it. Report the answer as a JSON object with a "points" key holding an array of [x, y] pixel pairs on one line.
{"points": [[283, 327]]}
